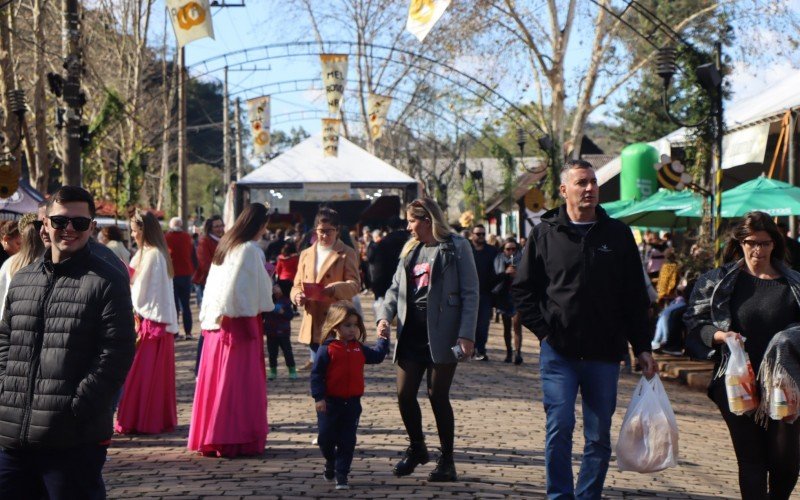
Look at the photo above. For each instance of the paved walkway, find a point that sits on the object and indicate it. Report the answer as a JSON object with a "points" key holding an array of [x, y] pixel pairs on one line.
{"points": [[499, 442]]}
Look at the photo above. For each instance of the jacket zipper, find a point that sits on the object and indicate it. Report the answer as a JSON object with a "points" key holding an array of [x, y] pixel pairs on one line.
{"points": [[35, 362], [584, 283]]}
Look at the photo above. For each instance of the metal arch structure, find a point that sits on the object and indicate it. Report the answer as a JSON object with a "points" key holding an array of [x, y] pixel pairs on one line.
{"points": [[291, 86], [308, 49]]}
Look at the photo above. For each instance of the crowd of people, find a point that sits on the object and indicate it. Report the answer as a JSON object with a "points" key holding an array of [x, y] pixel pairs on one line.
{"points": [[88, 331]]}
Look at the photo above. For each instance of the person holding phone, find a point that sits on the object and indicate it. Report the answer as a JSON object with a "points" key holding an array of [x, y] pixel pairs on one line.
{"points": [[434, 295], [329, 271]]}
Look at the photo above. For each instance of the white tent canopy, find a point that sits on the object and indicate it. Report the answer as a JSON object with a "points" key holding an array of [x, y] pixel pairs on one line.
{"points": [[747, 122], [305, 164]]}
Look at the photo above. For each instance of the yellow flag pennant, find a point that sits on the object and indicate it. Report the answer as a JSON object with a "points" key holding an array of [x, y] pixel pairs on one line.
{"points": [[423, 15], [191, 20], [330, 136]]}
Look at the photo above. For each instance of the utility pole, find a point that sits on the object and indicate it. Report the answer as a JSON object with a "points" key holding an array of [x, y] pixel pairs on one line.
{"points": [[226, 134], [183, 202], [73, 96], [239, 160]]}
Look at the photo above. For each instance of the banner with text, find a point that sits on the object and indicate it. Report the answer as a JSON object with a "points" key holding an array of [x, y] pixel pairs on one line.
{"points": [[377, 109], [423, 15], [334, 77], [191, 20], [330, 136], [258, 114]]}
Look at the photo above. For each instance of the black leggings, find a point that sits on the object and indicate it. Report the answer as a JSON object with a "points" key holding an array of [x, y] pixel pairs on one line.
{"points": [[769, 459], [440, 377]]}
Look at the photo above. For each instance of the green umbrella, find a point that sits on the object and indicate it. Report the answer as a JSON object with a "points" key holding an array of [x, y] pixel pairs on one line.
{"points": [[774, 197], [613, 207], [660, 209]]}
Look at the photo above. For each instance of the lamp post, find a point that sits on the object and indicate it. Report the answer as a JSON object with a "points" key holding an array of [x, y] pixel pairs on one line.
{"points": [[545, 143], [710, 79]]}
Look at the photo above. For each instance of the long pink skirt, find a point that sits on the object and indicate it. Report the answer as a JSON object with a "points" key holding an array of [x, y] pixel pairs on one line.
{"points": [[229, 414], [148, 403]]}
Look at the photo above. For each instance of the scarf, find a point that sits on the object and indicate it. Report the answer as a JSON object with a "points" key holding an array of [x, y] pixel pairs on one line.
{"points": [[780, 369]]}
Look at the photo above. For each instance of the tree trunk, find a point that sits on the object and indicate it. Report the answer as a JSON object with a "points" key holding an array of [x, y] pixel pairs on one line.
{"points": [[39, 170], [8, 82]]}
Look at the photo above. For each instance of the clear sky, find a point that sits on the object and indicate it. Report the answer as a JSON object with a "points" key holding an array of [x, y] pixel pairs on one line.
{"points": [[258, 24]]}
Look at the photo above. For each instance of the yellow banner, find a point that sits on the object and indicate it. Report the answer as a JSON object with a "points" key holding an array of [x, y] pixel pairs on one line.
{"points": [[423, 15], [191, 20], [258, 114], [334, 77], [330, 136], [377, 109]]}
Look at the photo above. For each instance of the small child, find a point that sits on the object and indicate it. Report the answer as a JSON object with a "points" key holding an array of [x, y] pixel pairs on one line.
{"points": [[337, 384], [277, 326]]}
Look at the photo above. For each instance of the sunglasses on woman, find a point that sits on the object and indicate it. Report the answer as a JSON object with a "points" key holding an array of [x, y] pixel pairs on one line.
{"points": [[62, 221]]}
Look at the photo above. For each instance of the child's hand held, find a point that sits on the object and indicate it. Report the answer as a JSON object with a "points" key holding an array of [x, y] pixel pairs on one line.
{"points": [[321, 406]]}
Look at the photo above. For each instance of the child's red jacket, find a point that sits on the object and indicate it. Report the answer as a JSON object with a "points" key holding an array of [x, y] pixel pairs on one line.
{"points": [[338, 370]]}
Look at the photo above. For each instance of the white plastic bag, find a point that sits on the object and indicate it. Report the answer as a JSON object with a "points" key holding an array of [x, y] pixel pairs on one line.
{"points": [[648, 439], [740, 381]]}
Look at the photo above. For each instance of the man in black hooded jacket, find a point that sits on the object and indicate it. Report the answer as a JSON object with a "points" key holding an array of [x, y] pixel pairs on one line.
{"points": [[66, 344], [580, 289]]}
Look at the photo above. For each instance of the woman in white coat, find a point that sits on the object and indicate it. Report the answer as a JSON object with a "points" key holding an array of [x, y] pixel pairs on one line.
{"points": [[229, 415], [148, 404]]}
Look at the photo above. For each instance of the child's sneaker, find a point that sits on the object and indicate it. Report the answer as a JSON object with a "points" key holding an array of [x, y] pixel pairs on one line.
{"points": [[273, 374], [328, 473], [293, 373], [341, 483]]}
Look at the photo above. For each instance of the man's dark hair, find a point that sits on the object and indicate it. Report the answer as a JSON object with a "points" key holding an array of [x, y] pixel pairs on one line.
{"points": [[69, 194], [479, 226], [395, 223]]}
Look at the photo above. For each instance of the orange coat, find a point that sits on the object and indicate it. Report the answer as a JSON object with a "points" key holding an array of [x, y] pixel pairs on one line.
{"points": [[340, 269]]}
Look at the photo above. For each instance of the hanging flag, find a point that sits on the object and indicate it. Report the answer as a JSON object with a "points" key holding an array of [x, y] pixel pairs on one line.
{"points": [[377, 109], [191, 20], [330, 136], [258, 114], [334, 76], [423, 15]]}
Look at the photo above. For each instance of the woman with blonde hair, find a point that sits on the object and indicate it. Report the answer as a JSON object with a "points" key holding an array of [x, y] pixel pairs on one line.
{"points": [[229, 413], [31, 248], [148, 403], [434, 295]]}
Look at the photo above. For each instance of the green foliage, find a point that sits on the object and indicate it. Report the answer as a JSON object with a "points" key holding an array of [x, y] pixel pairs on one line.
{"points": [[205, 181], [281, 141], [111, 112], [472, 198], [509, 175]]}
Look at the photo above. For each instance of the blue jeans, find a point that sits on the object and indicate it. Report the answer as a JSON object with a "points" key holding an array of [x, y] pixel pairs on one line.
{"points": [[182, 286], [597, 381], [198, 294], [337, 433], [484, 318], [59, 474]]}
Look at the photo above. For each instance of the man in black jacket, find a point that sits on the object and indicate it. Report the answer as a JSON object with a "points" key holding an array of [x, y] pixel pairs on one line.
{"points": [[579, 288], [66, 344], [383, 258]]}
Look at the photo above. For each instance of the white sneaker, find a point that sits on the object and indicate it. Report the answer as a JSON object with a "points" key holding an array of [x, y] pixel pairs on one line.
{"points": [[342, 486], [314, 441]]}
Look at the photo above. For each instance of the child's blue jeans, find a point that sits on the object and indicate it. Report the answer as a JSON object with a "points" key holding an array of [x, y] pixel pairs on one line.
{"points": [[337, 433]]}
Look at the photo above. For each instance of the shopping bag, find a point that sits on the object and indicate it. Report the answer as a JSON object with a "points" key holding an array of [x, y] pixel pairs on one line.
{"points": [[648, 439], [740, 380]]}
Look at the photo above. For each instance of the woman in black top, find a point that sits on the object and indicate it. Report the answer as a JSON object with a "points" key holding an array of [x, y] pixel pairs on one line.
{"points": [[753, 297]]}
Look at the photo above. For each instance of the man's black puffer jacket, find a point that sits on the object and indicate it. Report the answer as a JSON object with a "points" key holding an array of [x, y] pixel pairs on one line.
{"points": [[67, 341]]}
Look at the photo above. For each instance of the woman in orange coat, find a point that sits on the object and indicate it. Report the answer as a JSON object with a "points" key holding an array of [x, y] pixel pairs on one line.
{"points": [[329, 269]]}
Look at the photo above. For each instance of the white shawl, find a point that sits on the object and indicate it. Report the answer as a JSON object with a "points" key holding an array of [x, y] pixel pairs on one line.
{"points": [[151, 290], [239, 288]]}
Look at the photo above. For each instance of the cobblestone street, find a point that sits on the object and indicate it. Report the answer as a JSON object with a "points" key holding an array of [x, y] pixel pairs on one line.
{"points": [[499, 442]]}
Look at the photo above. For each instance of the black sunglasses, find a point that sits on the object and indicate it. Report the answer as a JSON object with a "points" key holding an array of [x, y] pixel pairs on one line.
{"points": [[62, 221]]}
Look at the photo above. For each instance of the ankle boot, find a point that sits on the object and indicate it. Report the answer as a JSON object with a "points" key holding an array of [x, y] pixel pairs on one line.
{"points": [[518, 358], [509, 353], [445, 470], [416, 454], [273, 374]]}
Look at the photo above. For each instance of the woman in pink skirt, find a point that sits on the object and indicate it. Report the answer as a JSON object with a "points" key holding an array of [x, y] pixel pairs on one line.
{"points": [[229, 415], [148, 403]]}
